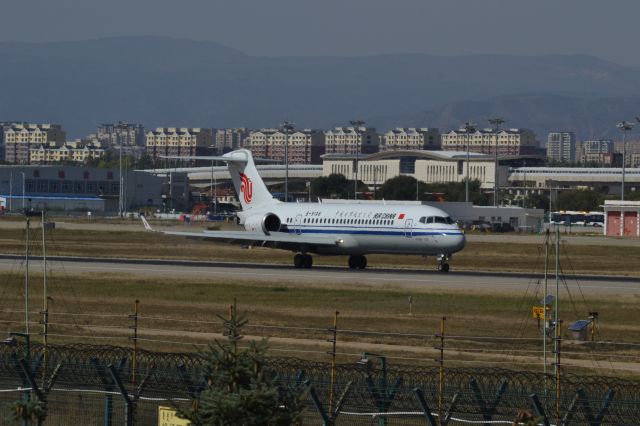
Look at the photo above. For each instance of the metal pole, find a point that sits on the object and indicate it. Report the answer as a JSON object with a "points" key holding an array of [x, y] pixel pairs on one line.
{"points": [[45, 319], [333, 360], [23, 185], [356, 128], [546, 292], [557, 325], [466, 181], [120, 201], [287, 127], [624, 162], [10, 201], [468, 127], [211, 187], [286, 165], [135, 345], [441, 381], [625, 127], [496, 125], [26, 281]]}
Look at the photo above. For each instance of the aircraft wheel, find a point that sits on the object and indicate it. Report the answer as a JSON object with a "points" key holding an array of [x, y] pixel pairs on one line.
{"points": [[362, 262], [308, 261], [298, 260], [353, 261], [444, 267]]}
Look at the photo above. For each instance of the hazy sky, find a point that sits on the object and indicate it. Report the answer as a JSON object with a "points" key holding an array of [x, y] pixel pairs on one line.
{"points": [[605, 28]]}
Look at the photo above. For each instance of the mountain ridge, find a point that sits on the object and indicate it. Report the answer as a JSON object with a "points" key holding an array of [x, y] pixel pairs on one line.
{"points": [[161, 81]]}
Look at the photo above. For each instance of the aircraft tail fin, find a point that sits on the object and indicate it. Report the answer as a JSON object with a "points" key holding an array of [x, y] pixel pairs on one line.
{"points": [[249, 185]]}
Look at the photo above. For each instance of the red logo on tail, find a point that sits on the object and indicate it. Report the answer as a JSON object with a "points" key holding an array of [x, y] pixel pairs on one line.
{"points": [[246, 187]]}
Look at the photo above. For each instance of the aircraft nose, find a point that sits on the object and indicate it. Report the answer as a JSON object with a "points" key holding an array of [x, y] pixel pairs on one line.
{"points": [[457, 242]]}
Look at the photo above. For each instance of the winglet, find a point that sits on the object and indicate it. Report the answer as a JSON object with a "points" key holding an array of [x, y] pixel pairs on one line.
{"points": [[145, 223]]}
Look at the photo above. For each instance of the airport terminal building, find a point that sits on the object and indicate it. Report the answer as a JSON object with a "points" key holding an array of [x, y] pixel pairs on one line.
{"points": [[81, 189]]}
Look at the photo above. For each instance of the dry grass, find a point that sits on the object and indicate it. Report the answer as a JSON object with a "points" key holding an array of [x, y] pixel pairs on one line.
{"points": [[177, 315]]}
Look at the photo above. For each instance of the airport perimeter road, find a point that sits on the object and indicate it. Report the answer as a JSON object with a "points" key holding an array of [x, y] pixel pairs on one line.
{"points": [[330, 276]]}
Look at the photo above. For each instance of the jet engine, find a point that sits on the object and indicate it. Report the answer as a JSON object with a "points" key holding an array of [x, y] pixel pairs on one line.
{"points": [[267, 223]]}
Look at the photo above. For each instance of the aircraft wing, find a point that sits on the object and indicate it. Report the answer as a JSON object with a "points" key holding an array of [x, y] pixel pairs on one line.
{"points": [[281, 240]]}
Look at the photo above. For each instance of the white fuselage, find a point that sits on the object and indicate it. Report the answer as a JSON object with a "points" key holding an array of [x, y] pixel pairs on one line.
{"points": [[361, 228]]}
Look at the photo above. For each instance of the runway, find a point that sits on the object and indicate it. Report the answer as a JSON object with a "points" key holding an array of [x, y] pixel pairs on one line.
{"points": [[333, 276]]}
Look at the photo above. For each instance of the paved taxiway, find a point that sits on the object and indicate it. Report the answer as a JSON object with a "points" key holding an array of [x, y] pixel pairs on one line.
{"points": [[335, 276]]}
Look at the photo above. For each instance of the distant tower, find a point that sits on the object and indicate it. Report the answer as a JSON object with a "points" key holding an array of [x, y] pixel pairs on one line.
{"points": [[561, 146]]}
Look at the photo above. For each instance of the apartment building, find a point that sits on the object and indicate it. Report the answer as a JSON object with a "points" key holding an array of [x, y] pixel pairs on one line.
{"points": [[19, 138], [120, 133], [352, 140], [600, 152], [411, 138], [510, 141], [178, 141], [226, 140], [304, 147], [561, 147], [73, 152]]}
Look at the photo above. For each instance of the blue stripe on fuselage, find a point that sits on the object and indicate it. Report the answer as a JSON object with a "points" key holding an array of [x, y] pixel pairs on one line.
{"points": [[386, 231]]}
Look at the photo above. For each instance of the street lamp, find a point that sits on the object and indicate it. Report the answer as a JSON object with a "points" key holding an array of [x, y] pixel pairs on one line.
{"points": [[468, 128], [356, 127], [496, 122], [287, 127], [625, 127]]}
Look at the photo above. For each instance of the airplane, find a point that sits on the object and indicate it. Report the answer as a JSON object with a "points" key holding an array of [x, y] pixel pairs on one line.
{"points": [[352, 229]]}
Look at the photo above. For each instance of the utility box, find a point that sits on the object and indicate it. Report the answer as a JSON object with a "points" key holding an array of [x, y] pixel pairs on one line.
{"points": [[621, 218], [580, 330]]}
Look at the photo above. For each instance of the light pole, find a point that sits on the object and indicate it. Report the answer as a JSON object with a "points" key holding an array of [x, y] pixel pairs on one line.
{"points": [[287, 127], [625, 127], [496, 122], [468, 128], [120, 201], [23, 185], [356, 127]]}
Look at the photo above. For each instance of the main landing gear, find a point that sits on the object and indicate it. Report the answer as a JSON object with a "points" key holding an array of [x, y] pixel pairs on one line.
{"points": [[357, 261], [303, 260], [443, 266]]}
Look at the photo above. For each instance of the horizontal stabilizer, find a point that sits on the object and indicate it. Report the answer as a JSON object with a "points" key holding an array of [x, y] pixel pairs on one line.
{"points": [[206, 157]]}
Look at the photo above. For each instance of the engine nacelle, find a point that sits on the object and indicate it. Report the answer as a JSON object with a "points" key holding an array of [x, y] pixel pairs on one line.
{"points": [[266, 224]]}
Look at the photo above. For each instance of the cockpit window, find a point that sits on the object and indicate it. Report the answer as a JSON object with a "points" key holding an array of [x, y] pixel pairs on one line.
{"points": [[423, 219], [437, 219]]}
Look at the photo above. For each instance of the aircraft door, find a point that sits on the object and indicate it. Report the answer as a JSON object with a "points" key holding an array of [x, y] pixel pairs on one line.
{"points": [[408, 228], [296, 224]]}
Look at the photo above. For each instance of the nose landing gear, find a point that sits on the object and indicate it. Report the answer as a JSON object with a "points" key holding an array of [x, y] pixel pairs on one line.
{"points": [[443, 266]]}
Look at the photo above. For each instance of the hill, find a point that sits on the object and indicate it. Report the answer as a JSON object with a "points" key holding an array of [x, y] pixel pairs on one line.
{"points": [[168, 81]]}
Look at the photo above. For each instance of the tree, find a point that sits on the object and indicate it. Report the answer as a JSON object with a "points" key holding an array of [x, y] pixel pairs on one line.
{"points": [[406, 187], [398, 188], [537, 201], [241, 389], [333, 186], [579, 199]]}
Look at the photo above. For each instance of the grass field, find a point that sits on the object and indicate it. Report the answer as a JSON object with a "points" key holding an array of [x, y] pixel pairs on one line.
{"points": [[177, 315]]}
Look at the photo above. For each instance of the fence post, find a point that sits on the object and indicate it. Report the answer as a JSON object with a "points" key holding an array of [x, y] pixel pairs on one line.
{"points": [[135, 343], [425, 408], [333, 341], [128, 405], [538, 409]]}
